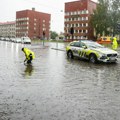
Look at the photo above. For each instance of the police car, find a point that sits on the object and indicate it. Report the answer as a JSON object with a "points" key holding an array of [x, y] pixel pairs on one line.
{"points": [[92, 51]]}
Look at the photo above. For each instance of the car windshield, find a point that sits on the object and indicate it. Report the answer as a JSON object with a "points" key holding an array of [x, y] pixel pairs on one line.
{"points": [[26, 38], [91, 44]]}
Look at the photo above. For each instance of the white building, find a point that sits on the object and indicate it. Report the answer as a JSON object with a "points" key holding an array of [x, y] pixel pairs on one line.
{"points": [[8, 29]]}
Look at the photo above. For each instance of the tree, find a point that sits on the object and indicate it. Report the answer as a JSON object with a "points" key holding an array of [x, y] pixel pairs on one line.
{"points": [[106, 17], [53, 34], [115, 15], [100, 18]]}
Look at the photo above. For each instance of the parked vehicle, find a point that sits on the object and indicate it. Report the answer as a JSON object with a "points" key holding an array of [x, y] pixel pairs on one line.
{"points": [[7, 39], [18, 40], [104, 40], [13, 39], [2, 38], [26, 40], [92, 51]]}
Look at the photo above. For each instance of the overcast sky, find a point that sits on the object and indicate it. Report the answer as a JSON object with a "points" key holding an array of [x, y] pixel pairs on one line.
{"points": [[8, 10]]}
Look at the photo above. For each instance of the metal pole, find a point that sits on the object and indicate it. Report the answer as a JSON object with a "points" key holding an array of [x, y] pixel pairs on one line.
{"points": [[43, 37], [72, 37], [57, 43], [43, 41]]}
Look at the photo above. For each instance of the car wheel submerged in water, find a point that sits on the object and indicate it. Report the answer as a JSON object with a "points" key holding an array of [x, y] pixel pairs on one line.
{"points": [[70, 54], [93, 58]]}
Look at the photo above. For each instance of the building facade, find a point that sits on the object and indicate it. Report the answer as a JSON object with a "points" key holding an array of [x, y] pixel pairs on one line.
{"points": [[32, 24], [77, 20], [8, 29]]}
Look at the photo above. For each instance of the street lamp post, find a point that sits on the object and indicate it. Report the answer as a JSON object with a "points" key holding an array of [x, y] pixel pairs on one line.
{"points": [[57, 38], [61, 11]]}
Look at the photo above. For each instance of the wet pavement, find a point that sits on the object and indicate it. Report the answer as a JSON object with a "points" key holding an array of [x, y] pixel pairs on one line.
{"points": [[54, 87]]}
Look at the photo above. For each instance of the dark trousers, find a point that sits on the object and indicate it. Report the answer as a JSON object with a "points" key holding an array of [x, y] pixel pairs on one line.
{"points": [[29, 61]]}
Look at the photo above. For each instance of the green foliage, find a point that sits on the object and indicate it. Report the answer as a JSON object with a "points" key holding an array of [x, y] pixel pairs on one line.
{"points": [[100, 18], [115, 15], [106, 16], [53, 35]]}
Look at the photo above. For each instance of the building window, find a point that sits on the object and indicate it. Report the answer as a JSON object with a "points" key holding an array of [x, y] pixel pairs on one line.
{"points": [[27, 18], [79, 18], [84, 24], [86, 18], [75, 13], [84, 31], [79, 12], [87, 11], [77, 31], [43, 25], [68, 13], [43, 20], [76, 25]]}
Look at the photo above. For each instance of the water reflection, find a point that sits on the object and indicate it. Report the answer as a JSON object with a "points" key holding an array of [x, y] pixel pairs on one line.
{"points": [[28, 70], [57, 83]]}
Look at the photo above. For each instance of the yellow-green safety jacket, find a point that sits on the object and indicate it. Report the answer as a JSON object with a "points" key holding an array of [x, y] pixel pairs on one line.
{"points": [[114, 44], [28, 52]]}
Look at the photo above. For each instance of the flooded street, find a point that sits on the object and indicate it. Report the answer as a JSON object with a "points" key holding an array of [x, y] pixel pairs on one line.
{"points": [[54, 87]]}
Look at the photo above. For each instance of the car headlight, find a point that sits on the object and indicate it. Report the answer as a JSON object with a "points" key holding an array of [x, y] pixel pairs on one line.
{"points": [[102, 55]]}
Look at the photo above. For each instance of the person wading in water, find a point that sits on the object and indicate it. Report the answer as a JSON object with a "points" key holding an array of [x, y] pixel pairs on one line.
{"points": [[29, 55]]}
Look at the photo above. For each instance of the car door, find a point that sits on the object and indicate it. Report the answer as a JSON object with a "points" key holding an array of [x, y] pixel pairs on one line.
{"points": [[82, 50], [75, 48]]}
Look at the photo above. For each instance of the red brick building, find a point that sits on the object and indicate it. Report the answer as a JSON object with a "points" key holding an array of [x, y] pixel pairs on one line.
{"points": [[32, 24], [77, 16]]}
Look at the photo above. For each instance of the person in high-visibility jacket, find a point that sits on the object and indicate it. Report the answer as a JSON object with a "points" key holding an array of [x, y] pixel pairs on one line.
{"points": [[28, 54], [114, 44]]}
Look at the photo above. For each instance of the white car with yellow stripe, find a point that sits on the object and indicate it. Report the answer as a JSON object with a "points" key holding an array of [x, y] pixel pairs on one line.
{"points": [[92, 51]]}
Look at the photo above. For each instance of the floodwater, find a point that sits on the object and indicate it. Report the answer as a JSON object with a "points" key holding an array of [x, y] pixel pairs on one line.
{"points": [[54, 87]]}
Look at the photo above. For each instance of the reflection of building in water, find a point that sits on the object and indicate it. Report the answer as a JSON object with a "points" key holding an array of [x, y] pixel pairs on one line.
{"points": [[15, 50], [17, 46], [100, 73], [28, 70], [6, 44], [12, 49]]}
